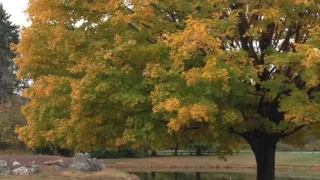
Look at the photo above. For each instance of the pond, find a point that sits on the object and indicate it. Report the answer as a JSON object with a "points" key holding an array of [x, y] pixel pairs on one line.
{"points": [[222, 176]]}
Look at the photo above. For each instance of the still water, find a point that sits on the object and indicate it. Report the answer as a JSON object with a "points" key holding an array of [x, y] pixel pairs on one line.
{"points": [[222, 176]]}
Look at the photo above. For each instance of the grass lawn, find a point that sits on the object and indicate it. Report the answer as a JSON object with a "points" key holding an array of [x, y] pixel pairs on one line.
{"points": [[284, 161], [298, 158]]}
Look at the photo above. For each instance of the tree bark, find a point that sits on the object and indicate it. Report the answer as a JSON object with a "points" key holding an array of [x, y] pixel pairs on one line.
{"points": [[198, 152], [263, 146], [176, 150], [153, 153], [145, 151]]}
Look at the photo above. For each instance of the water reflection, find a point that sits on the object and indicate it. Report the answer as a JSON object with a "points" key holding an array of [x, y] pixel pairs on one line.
{"points": [[216, 176], [198, 175]]}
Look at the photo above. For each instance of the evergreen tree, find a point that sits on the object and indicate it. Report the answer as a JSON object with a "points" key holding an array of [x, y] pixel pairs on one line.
{"points": [[9, 34], [10, 104]]}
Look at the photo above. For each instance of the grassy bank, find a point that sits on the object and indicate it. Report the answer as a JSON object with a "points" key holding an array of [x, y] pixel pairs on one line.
{"points": [[287, 164], [51, 174], [245, 160]]}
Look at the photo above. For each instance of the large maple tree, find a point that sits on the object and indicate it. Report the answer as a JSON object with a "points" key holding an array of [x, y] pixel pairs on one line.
{"points": [[109, 73]]}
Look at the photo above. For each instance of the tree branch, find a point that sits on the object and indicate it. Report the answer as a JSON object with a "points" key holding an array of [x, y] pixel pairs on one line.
{"points": [[297, 129], [286, 42], [293, 131], [233, 131]]}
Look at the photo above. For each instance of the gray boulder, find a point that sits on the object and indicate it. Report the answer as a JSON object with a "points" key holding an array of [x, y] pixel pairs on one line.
{"points": [[60, 165], [83, 163], [59, 162], [35, 169], [28, 169], [4, 168], [16, 165], [87, 155], [96, 165], [23, 170]]}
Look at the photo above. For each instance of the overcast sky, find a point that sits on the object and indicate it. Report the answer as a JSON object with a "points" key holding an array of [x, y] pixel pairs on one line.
{"points": [[15, 8]]}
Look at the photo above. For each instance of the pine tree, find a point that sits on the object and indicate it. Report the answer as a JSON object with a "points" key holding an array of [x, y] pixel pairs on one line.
{"points": [[10, 102], [9, 34]]}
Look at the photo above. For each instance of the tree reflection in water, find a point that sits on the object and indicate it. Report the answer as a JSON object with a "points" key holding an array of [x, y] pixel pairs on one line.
{"points": [[182, 176], [211, 175]]}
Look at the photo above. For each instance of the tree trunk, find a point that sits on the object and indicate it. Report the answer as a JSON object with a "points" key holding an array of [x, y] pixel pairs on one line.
{"points": [[153, 153], [176, 150], [198, 152], [145, 151], [263, 146]]}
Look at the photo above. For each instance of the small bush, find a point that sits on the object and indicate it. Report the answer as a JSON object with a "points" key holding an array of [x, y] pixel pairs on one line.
{"points": [[10, 117]]}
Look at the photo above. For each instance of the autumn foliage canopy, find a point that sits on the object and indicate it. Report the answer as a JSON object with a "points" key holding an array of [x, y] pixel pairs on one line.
{"points": [[109, 73]]}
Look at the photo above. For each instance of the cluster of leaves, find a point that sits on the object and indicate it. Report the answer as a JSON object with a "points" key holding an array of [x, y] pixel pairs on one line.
{"points": [[10, 117], [137, 72]]}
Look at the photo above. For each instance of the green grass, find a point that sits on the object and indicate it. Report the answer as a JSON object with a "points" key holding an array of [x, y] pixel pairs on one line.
{"points": [[282, 158], [284, 161], [14, 152], [299, 159]]}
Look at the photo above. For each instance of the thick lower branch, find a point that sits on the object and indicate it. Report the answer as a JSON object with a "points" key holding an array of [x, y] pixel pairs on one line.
{"points": [[298, 128], [293, 131]]}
